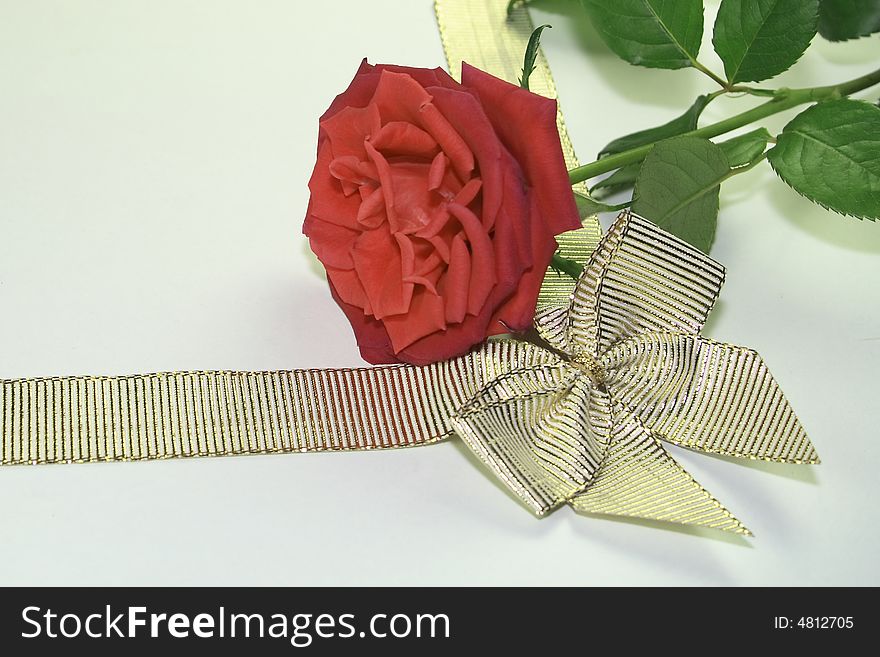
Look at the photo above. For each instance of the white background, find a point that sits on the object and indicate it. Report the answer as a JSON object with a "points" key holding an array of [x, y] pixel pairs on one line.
{"points": [[154, 156]]}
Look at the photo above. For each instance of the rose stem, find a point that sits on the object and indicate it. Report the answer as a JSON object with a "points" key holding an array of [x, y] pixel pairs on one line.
{"points": [[783, 100]]}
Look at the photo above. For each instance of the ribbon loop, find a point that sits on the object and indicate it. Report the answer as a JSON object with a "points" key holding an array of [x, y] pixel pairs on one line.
{"points": [[639, 279]]}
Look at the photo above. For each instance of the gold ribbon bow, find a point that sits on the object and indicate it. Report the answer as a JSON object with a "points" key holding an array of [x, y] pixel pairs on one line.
{"points": [[630, 370]]}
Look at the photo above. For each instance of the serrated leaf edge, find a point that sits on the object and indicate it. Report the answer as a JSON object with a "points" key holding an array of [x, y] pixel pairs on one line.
{"points": [[781, 176]]}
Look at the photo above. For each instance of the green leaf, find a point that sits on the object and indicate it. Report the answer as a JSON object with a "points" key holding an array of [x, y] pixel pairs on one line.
{"points": [[677, 126], [652, 33], [531, 55], [625, 177], [678, 186], [622, 179], [742, 150], [840, 20], [588, 206], [830, 153], [758, 39], [562, 265]]}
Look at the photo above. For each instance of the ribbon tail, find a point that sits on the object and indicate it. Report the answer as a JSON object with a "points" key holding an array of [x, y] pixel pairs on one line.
{"points": [[181, 414], [639, 479], [708, 396]]}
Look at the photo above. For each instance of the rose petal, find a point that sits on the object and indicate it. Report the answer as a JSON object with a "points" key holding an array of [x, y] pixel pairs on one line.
{"points": [[349, 288], [349, 169], [348, 129], [457, 339], [515, 112], [407, 255], [383, 170], [332, 244], [426, 316], [398, 97], [400, 138], [372, 211], [429, 266], [359, 91], [328, 201], [455, 148], [456, 284], [414, 205], [469, 192], [519, 311], [462, 108], [483, 276], [378, 263], [372, 338], [437, 171], [426, 77], [441, 247], [428, 263], [429, 283], [437, 223], [513, 234]]}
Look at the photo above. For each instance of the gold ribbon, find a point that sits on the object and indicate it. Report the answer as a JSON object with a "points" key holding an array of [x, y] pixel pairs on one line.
{"points": [[177, 414], [577, 419]]}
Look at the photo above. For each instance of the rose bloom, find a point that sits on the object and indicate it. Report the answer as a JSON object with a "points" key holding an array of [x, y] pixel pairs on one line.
{"points": [[434, 207]]}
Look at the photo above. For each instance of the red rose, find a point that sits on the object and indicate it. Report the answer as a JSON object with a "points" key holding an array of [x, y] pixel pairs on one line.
{"points": [[434, 207]]}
